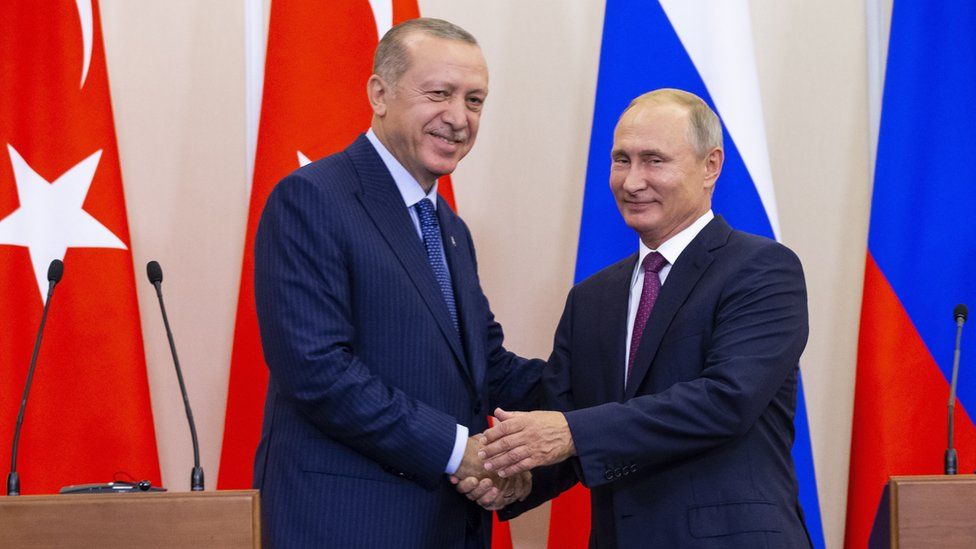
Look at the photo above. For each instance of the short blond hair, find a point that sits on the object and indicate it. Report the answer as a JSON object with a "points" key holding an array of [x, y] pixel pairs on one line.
{"points": [[704, 128]]}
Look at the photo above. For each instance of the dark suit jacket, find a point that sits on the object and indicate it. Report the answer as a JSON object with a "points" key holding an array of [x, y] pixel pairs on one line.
{"points": [[696, 451], [368, 375]]}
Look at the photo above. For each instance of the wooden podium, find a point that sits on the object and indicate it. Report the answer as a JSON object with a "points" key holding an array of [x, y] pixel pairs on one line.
{"points": [[164, 519], [927, 511]]}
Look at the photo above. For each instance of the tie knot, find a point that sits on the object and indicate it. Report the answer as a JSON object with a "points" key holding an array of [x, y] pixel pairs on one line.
{"points": [[654, 262]]}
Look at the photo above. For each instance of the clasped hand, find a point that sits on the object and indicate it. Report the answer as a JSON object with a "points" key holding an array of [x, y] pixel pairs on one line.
{"points": [[506, 453], [485, 488]]}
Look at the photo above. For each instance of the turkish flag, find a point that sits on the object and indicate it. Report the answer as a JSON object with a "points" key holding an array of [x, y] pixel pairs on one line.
{"points": [[88, 418]]}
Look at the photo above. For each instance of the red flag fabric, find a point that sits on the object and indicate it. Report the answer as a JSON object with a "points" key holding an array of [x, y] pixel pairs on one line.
{"points": [[569, 520], [88, 418]]}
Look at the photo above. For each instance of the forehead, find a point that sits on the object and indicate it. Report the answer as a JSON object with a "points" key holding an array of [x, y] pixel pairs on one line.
{"points": [[656, 125], [440, 58]]}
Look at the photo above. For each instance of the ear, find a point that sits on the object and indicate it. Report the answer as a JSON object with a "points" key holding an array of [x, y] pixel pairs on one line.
{"points": [[713, 166], [377, 90]]}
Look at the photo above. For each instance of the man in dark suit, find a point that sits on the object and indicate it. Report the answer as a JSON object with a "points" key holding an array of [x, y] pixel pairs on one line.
{"points": [[674, 371], [384, 356]]}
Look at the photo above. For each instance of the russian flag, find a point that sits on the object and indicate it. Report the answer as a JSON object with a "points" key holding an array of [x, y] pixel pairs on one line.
{"points": [[705, 48], [921, 259]]}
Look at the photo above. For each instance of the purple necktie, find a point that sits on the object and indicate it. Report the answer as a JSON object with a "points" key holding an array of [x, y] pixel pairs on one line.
{"points": [[652, 265]]}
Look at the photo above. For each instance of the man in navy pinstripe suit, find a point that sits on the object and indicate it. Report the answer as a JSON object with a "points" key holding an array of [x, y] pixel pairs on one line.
{"points": [[384, 355]]}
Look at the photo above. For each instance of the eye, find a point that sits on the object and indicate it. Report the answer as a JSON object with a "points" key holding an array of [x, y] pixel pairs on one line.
{"points": [[621, 160], [438, 95], [475, 103]]}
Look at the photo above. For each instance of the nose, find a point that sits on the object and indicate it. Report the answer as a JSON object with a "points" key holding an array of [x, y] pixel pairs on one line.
{"points": [[455, 113], [634, 182]]}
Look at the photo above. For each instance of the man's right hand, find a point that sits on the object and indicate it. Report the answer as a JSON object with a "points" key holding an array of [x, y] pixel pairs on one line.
{"points": [[488, 489], [471, 464], [495, 493]]}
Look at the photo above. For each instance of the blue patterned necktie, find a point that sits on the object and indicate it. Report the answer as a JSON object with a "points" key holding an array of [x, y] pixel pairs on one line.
{"points": [[435, 254]]}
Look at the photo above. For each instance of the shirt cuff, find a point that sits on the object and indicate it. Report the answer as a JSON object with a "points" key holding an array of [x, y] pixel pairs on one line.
{"points": [[460, 443]]}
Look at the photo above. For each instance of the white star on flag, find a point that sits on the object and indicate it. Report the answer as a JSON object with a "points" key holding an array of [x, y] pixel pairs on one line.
{"points": [[50, 218]]}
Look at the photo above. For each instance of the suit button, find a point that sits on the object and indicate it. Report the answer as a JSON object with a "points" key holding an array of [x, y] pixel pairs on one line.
{"points": [[617, 473], [477, 409], [608, 474]]}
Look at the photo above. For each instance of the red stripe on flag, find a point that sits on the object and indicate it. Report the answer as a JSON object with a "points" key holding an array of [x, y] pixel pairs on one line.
{"points": [[899, 425], [569, 522], [89, 414]]}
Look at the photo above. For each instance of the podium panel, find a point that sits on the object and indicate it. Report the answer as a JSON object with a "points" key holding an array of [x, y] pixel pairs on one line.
{"points": [[220, 519], [933, 511]]}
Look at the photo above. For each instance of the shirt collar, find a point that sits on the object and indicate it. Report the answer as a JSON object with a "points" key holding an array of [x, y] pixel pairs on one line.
{"points": [[410, 190], [672, 247]]}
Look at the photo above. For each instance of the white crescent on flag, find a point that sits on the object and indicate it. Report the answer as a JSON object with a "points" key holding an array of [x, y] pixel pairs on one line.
{"points": [[383, 15], [87, 30]]}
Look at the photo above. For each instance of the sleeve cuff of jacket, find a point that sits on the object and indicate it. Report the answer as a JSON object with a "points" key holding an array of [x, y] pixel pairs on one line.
{"points": [[460, 443], [588, 428]]}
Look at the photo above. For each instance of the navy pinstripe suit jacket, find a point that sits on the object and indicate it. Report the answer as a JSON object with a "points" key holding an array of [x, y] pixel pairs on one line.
{"points": [[368, 375]]}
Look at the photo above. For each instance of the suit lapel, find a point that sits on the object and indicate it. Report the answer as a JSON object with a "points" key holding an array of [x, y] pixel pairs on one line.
{"points": [[612, 324], [384, 205], [463, 276], [684, 275]]}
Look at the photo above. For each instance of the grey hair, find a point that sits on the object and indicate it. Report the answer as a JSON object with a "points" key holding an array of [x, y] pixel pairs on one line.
{"points": [[392, 58], [704, 128]]}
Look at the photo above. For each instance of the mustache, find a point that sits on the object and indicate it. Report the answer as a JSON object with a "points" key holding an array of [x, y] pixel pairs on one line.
{"points": [[458, 136]]}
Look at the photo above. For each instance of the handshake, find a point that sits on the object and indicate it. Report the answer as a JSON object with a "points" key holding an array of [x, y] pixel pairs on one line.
{"points": [[495, 469]]}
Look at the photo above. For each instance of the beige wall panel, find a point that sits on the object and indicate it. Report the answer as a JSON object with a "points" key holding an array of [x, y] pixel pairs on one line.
{"points": [[521, 188], [812, 68], [177, 80]]}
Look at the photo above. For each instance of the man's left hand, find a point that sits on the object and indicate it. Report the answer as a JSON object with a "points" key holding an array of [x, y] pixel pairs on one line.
{"points": [[520, 441]]}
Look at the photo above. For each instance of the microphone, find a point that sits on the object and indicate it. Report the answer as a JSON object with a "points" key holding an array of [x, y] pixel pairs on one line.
{"points": [[54, 273], [155, 273], [959, 314]]}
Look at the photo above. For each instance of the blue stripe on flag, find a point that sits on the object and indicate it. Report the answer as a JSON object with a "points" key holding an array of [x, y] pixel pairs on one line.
{"points": [[641, 52]]}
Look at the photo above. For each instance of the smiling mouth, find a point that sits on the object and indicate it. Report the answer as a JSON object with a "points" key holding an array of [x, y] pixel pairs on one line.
{"points": [[641, 204], [446, 139]]}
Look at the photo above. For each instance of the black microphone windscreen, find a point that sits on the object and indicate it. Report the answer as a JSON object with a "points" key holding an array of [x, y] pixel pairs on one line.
{"points": [[55, 271], [960, 312], [154, 271]]}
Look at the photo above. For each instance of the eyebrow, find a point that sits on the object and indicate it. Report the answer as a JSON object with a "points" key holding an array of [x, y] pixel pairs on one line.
{"points": [[642, 152], [431, 84]]}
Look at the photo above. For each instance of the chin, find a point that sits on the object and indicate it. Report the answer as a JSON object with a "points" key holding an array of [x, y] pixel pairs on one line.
{"points": [[441, 167], [641, 224]]}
